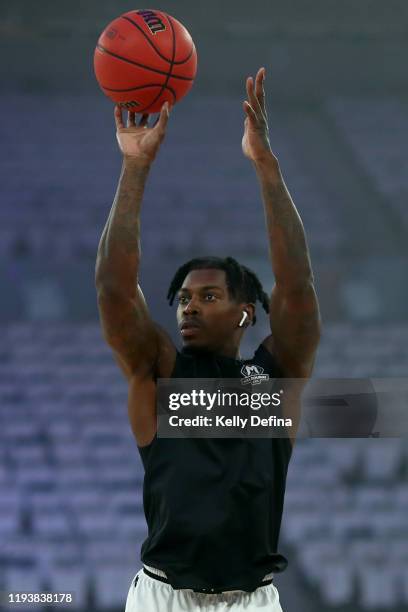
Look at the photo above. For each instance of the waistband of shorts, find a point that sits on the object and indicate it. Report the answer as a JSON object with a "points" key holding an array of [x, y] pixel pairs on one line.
{"points": [[158, 574]]}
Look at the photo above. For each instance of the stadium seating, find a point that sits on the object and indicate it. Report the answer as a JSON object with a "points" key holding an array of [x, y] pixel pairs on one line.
{"points": [[71, 478], [216, 193], [375, 130]]}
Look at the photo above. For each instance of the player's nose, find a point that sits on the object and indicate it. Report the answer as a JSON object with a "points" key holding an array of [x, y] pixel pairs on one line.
{"points": [[191, 307]]}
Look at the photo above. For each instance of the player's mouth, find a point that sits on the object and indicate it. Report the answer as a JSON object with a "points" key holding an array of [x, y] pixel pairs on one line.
{"points": [[189, 328]]}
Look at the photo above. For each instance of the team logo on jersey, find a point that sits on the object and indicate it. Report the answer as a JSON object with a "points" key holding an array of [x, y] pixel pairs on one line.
{"points": [[253, 374]]}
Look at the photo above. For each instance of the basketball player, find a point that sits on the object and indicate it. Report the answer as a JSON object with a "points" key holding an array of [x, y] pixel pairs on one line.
{"points": [[213, 506]]}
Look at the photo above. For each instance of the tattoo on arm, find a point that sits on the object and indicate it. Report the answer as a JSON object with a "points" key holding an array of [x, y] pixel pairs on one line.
{"points": [[119, 247], [287, 240]]}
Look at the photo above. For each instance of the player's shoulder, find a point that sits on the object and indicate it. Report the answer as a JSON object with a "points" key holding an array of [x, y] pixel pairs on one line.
{"points": [[265, 357]]}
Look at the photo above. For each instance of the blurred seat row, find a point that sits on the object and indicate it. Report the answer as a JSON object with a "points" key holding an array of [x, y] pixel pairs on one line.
{"points": [[71, 479]]}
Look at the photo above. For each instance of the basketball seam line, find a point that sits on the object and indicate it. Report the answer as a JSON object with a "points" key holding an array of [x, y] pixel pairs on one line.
{"points": [[142, 87], [125, 59], [152, 43], [171, 66]]}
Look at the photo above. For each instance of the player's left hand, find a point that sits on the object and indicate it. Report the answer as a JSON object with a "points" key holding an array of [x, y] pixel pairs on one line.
{"points": [[255, 142]]}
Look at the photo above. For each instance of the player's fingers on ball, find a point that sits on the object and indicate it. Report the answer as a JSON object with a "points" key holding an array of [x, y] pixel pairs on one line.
{"points": [[163, 117], [131, 119], [118, 117], [144, 120], [165, 111]]}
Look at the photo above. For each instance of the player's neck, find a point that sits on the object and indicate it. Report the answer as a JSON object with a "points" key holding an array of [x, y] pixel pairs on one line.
{"points": [[232, 352]]}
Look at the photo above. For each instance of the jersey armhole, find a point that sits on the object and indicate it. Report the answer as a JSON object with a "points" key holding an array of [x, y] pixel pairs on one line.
{"points": [[144, 450], [268, 361]]}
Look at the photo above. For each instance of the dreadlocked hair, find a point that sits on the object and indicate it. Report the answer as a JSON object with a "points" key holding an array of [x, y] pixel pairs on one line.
{"points": [[243, 284]]}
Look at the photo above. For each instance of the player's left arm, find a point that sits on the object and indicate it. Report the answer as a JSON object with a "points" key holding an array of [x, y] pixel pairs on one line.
{"points": [[294, 309]]}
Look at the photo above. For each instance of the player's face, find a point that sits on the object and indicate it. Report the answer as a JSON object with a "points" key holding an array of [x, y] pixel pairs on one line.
{"points": [[206, 315]]}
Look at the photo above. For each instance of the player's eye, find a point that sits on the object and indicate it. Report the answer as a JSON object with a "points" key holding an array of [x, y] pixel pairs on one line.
{"points": [[183, 299], [209, 297]]}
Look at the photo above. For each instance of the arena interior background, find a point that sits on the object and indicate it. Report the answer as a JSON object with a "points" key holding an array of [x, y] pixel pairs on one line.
{"points": [[70, 476]]}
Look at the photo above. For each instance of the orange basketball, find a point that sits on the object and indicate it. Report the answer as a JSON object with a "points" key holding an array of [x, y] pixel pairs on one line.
{"points": [[145, 58]]}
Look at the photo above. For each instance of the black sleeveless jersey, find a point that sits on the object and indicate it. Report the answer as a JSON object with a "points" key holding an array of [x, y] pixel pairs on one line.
{"points": [[214, 506]]}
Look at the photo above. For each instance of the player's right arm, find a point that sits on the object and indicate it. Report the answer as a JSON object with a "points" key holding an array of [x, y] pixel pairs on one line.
{"points": [[142, 349]]}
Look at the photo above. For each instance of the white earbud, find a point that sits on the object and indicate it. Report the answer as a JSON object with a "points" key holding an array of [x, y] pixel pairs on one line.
{"points": [[244, 318]]}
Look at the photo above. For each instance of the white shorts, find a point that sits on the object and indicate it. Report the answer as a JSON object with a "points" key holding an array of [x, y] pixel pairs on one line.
{"points": [[147, 594]]}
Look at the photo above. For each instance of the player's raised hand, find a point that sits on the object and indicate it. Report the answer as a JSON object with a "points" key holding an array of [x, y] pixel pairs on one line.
{"points": [[255, 142], [137, 140]]}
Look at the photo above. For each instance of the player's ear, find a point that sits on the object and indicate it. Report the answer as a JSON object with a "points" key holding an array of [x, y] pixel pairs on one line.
{"points": [[250, 308]]}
